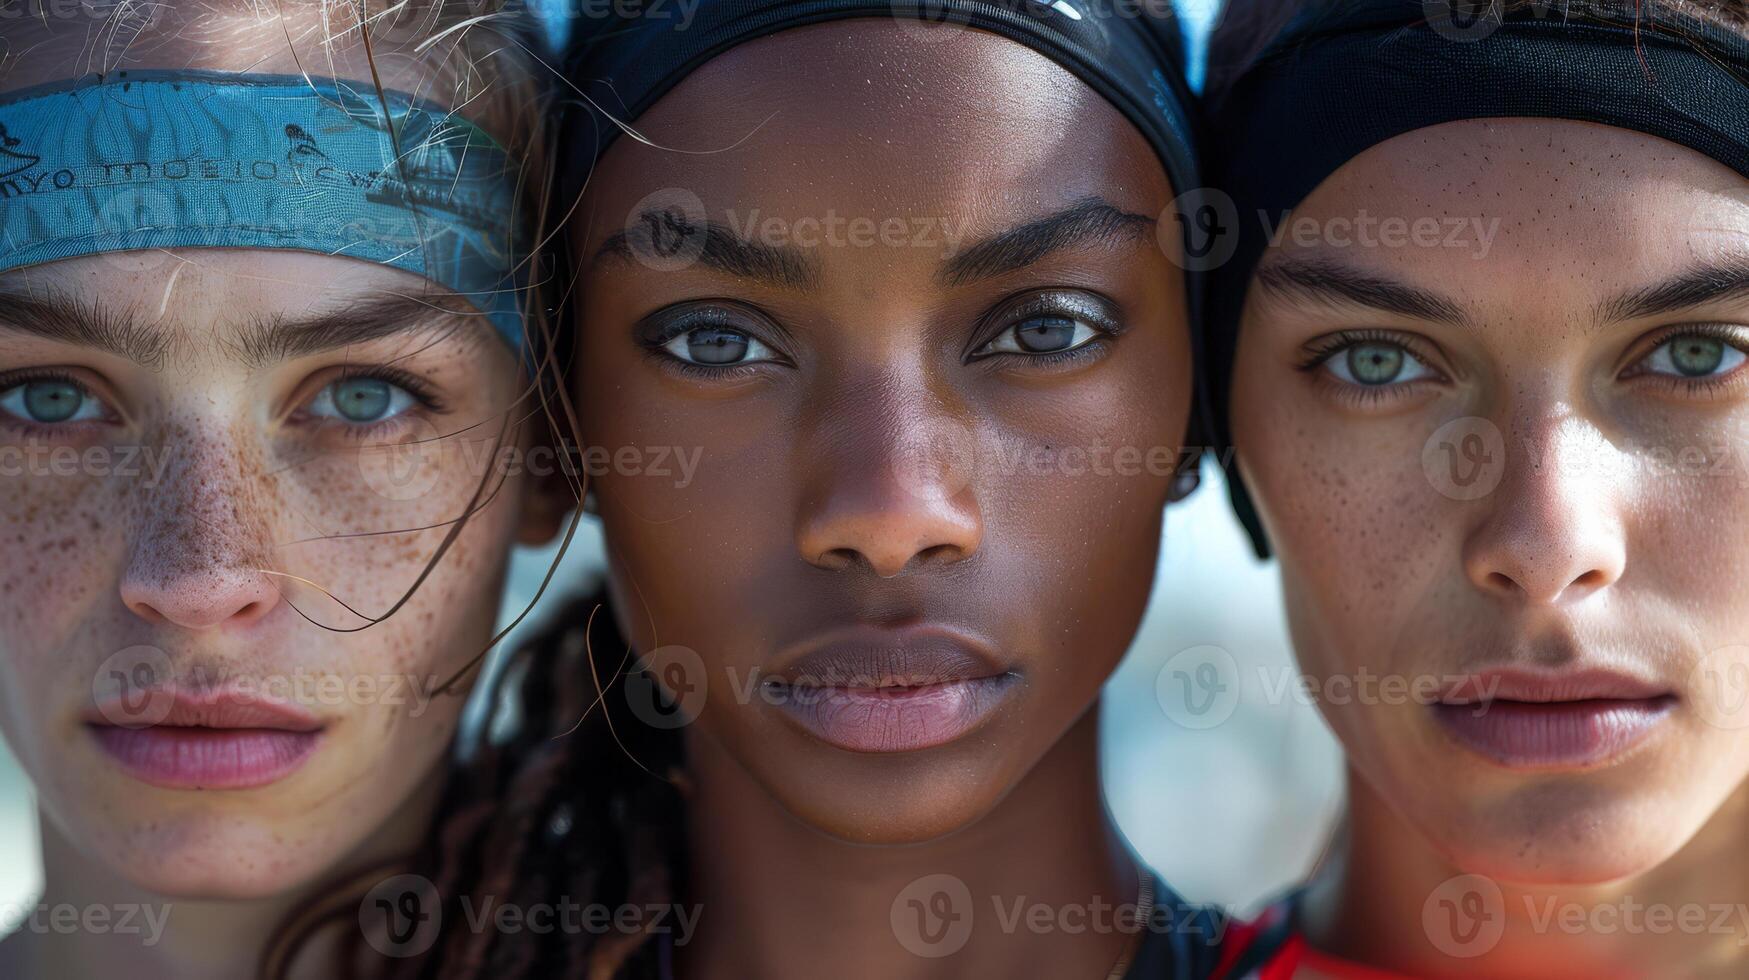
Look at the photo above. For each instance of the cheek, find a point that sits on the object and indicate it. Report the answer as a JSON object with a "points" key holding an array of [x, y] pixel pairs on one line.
{"points": [[1364, 540], [61, 542], [357, 526], [1682, 512]]}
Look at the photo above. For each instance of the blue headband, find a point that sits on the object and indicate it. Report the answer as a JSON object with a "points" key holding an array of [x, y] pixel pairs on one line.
{"points": [[207, 159]]}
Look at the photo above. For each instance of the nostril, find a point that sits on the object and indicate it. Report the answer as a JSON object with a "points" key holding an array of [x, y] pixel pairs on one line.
{"points": [[837, 559], [941, 553], [145, 611], [1502, 582]]}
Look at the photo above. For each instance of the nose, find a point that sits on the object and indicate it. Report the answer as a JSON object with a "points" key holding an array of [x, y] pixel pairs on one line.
{"points": [[1554, 532], [893, 486], [199, 546]]}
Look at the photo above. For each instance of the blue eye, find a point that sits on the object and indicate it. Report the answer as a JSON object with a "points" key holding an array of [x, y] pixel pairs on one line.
{"points": [[1375, 363], [1044, 334], [1694, 356], [51, 401], [718, 347], [361, 401]]}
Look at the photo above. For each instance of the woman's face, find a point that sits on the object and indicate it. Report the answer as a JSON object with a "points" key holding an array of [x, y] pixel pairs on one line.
{"points": [[930, 363], [209, 457], [1504, 465], [214, 465]]}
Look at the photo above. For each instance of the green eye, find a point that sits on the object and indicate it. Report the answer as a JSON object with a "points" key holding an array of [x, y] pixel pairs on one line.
{"points": [[51, 401], [1375, 363], [1694, 356], [361, 401]]}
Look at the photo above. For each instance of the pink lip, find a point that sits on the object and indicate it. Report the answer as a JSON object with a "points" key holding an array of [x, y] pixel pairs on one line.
{"points": [[1572, 720], [879, 691], [211, 740]]}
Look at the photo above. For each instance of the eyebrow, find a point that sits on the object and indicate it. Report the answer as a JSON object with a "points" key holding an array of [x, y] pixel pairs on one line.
{"points": [[278, 338], [1334, 284], [1695, 287], [784, 267], [82, 323], [87, 323], [1089, 221]]}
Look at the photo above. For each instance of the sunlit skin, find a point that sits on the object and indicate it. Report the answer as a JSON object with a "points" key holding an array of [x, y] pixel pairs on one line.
{"points": [[1612, 540], [855, 474], [265, 517]]}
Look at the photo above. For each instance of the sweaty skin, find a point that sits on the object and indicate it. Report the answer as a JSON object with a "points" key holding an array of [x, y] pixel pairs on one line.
{"points": [[221, 528], [870, 478], [1593, 524]]}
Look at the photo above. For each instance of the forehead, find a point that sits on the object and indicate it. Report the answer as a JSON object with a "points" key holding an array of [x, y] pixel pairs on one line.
{"points": [[1532, 214], [187, 298], [869, 118]]}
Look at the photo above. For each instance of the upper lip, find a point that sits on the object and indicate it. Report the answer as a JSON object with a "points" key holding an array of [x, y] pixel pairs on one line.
{"points": [[222, 709], [1551, 686], [873, 657]]}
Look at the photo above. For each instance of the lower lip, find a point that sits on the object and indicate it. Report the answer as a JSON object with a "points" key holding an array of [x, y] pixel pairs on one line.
{"points": [[207, 758], [1553, 735], [900, 719]]}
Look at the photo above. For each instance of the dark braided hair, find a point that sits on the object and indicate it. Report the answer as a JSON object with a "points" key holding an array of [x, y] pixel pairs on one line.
{"points": [[581, 804]]}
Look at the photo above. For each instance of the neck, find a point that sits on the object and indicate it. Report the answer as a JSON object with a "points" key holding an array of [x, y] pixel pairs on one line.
{"points": [[166, 936], [779, 899], [1689, 916]]}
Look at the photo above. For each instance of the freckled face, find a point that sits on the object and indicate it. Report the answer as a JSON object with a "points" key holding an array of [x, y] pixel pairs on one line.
{"points": [[896, 426], [191, 516], [1582, 527]]}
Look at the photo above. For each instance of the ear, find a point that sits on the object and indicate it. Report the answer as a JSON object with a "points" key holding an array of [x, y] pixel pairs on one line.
{"points": [[547, 501], [550, 493]]}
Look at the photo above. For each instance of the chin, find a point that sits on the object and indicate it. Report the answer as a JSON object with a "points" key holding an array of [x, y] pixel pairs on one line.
{"points": [[1562, 835], [210, 858], [894, 800]]}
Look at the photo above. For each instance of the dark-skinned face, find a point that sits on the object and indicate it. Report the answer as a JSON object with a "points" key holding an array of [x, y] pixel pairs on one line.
{"points": [[933, 362]]}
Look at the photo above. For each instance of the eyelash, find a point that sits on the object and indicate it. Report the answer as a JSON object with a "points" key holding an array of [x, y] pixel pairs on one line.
{"points": [[685, 321], [1098, 313], [27, 376], [1706, 385], [422, 391], [1321, 350]]}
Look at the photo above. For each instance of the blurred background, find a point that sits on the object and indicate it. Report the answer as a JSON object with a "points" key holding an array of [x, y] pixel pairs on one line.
{"points": [[1229, 788]]}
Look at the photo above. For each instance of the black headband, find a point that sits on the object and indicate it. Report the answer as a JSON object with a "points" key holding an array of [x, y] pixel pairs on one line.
{"points": [[1343, 77], [1129, 51]]}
